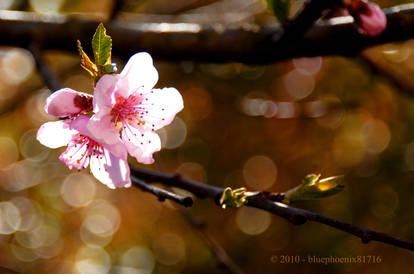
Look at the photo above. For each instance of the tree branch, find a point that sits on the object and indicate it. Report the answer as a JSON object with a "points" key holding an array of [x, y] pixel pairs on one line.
{"points": [[311, 11], [401, 81], [117, 6], [205, 43], [200, 226], [162, 194], [49, 78], [294, 215]]}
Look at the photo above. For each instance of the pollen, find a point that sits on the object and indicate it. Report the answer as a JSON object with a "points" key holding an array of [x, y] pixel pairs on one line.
{"points": [[128, 111]]}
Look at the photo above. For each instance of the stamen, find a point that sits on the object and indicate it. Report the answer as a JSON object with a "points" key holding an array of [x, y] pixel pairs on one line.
{"points": [[128, 111]]}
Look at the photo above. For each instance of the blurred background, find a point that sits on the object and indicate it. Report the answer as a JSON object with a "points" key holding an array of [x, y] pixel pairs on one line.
{"points": [[259, 127]]}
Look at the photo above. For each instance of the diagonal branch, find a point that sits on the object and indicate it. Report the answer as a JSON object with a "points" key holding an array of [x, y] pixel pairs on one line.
{"points": [[205, 43], [400, 80], [223, 258], [294, 215], [49, 78], [162, 194], [311, 11]]}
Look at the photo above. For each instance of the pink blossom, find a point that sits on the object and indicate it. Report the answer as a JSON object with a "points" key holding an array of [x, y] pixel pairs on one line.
{"points": [[369, 17], [67, 102], [127, 107], [108, 163]]}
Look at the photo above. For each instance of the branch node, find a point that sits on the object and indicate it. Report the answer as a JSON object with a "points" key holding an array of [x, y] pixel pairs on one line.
{"points": [[366, 237], [298, 219], [187, 202], [275, 197], [176, 177]]}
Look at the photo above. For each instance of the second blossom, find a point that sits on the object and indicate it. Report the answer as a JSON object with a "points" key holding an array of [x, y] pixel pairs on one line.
{"points": [[129, 110]]}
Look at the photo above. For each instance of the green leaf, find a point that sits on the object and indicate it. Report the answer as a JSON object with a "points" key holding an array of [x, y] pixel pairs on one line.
{"points": [[235, 198], [86, 63], [102, 46], [280, 9], [314, 189], [311, 179]]}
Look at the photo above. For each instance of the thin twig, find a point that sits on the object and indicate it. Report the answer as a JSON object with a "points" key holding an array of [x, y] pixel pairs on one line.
{"points": [[294, 215], [162, 194], [206, 43], [49, 78], [200, 226], [216, 248]]}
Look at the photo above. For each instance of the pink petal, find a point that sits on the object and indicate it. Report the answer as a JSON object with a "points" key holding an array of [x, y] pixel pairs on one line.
{"points": [[76, 155], [56, 134], [107, 90], [102, 129], [67, 102], [140, 72], [80, 123], [118, 149], [111, 170], [161, 106], [141, 144]]}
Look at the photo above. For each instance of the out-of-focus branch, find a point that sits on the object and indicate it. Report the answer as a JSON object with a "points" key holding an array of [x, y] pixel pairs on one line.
{"points": [[379, 66], [205, 43], [162, 194], [49, 78], [311, 11], [294, 215], [117, 6], [223, 258]]}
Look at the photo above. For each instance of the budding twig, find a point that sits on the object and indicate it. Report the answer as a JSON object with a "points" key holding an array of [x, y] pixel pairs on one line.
{"points": [[294, 215]]}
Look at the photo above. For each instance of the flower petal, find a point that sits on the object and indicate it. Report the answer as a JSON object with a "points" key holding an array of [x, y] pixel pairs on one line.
{"points": [[141, 144], [111, 170], [107, 90], [80, 123], [160, 107], [67, 102], [103, 94], [118, 149], [76, 155], [140, 72], [103, 129], [56, 134]]}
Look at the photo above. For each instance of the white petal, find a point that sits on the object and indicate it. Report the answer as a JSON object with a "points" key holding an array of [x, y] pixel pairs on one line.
{"points": [[140, 72], [160, 107], [111, 170], [141, 144], [56, 134]]}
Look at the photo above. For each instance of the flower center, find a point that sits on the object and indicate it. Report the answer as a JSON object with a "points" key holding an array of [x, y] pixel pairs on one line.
{"points": [[92, 147], [80, 150], [83, 102], [128, 110]]}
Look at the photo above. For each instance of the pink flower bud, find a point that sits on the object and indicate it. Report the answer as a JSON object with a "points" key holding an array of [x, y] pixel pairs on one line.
{"points": [[370, 19]]}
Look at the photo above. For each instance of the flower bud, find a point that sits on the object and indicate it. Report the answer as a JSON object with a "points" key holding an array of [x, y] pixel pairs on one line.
{"points": [[369, 18]]}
